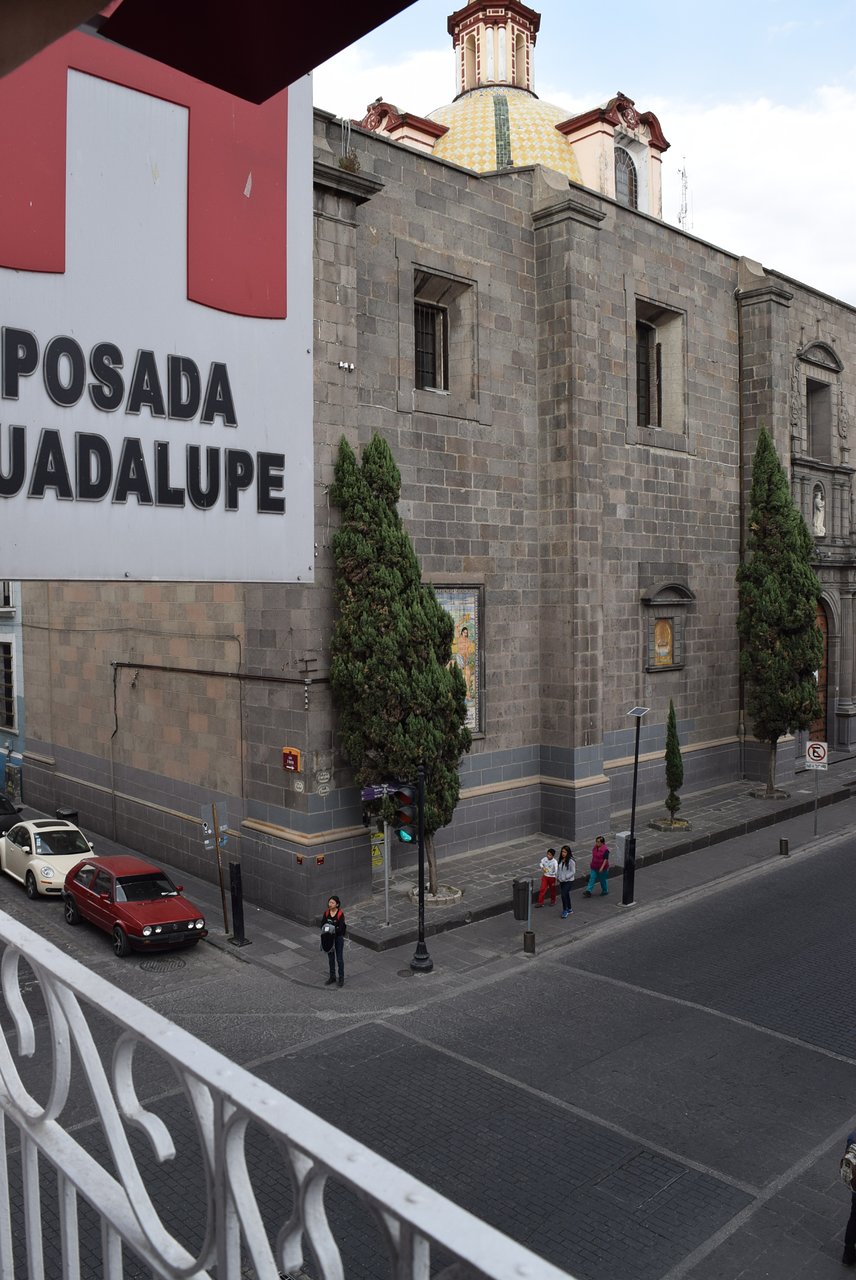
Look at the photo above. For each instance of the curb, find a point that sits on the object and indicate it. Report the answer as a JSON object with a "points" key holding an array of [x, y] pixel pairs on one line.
{"points": [[470, 915]]}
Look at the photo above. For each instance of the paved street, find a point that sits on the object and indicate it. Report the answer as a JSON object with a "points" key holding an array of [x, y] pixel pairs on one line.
{"points": [[661, 1092]]}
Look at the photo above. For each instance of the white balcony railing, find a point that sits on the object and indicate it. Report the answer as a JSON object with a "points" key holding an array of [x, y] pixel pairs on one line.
{"points": [[96, 1180]]}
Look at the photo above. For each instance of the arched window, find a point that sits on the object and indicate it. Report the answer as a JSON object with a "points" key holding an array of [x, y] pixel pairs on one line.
{"points": [[626, 181], [470, 62], [520, 69]]}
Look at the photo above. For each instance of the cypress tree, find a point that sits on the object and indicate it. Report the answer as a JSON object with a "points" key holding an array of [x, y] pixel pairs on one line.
{"points": [[400, 700], [674, 764], [782, 647]]}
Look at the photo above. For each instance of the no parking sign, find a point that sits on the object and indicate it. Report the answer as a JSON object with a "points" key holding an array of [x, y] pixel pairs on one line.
{"points": [[817, 755]]}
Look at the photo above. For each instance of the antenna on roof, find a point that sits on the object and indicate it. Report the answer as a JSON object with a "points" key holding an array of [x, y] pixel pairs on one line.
{"points": [[683, 215]]}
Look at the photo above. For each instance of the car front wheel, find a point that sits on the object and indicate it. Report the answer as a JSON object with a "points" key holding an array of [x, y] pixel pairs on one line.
{"points": [[31, 886], [71, 912], [121, 945]]}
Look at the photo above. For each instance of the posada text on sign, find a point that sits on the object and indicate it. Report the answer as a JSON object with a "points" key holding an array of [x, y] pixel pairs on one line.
{"points": [[35, 458]]}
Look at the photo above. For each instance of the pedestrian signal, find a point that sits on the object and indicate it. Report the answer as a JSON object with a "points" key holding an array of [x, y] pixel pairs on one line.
{"points": [[405, 814]]}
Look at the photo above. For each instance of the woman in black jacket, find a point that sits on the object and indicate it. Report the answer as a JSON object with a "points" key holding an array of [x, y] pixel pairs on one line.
{"points": [[333, 930]]}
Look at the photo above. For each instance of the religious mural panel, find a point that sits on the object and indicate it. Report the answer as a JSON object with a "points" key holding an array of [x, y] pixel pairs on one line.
{"points": [[464, 606]]}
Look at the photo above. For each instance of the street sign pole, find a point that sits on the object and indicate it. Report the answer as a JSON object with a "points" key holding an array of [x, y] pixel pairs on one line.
{"points": [[216, 827], [421, 962], [816, 758], [387, 853]]}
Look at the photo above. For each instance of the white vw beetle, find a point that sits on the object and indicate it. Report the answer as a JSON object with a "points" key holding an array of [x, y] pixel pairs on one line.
{"points": [[40, 851]]}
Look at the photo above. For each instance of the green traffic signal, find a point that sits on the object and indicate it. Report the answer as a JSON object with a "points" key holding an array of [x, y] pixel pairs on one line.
{"points": [[405, 814]]}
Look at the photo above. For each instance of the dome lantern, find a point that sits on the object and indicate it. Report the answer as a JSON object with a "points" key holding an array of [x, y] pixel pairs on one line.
{"points": [[493, 45]]}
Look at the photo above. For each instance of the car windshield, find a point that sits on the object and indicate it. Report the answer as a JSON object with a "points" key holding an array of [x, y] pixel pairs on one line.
{"points": [[144, 888], [62, 842]]}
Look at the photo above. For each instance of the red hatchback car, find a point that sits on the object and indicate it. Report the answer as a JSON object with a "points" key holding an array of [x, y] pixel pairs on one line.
{"points": [[132, 900]]}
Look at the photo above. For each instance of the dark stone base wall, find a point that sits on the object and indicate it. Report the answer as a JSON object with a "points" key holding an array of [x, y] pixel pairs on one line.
{"points": [[161, 818]]}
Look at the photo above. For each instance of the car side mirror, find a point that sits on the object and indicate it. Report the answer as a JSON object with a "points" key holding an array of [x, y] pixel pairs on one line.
{"points": [[91, 845], [179, 888], [26, 848], [19, 808]]}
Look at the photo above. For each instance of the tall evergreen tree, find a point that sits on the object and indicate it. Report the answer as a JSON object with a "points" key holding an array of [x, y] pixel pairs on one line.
{"points": [[782, 647], [399, 700], [674, 763]]}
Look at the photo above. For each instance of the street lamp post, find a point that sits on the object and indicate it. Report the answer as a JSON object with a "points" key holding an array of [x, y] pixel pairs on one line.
{"points": [[629, 882], [421, 962]]}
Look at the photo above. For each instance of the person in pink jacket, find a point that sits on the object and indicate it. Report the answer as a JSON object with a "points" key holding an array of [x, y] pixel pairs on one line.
{"points": [[599, 867]]}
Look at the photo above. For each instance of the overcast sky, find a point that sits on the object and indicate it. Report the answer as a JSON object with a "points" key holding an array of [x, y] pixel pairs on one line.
{"points": [[756, 98]]}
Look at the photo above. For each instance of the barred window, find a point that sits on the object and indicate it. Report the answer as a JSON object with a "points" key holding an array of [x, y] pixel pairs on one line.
{"points": [[432, 347], [649, 376], [660, 375], [5, 594], [7, 686]]}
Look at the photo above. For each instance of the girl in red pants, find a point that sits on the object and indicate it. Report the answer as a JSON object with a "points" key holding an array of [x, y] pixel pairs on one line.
{"points": [[549, 871]]}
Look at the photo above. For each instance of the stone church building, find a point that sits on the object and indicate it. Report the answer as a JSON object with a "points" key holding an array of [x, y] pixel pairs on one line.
{"points": [[572, 390]]}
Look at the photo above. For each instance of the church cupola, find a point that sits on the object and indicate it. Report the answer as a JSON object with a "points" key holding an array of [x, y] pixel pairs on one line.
{"points": [[493, 45]]}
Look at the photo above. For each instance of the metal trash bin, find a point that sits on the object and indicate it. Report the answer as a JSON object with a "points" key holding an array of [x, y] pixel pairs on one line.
{"points": [[521, 895], [68, 815]]}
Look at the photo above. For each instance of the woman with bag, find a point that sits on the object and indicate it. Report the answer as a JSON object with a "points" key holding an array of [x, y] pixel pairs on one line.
{"points": [[567, 871], [599, 868], [333, 930]]}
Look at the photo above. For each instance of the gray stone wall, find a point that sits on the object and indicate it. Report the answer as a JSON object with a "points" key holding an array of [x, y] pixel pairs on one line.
{"points": [[532, 478]]}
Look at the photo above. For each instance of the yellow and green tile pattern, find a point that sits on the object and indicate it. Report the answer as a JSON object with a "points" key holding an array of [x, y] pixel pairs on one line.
{"points": [[494, 128]]}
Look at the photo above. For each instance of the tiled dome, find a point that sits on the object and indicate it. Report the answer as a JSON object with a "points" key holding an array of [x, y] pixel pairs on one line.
{"points": [[499, 127]]}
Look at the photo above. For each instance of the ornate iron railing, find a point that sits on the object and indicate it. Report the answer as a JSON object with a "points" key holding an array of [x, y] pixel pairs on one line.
{"points": [[213, 1173]]}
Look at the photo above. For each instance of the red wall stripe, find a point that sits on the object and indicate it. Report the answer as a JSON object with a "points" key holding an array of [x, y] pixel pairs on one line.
{"points": [[236, 245]]}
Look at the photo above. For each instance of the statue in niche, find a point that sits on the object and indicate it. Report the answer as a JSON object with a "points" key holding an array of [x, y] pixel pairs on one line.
{"points": [[818, 514]]}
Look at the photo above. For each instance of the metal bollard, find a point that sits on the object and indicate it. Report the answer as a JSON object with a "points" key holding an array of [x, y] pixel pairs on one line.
{"points": [[529, 942], [783, 848], [237, 938]]}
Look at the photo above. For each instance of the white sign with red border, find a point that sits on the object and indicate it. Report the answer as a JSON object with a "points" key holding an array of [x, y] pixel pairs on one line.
{"points": [[155, 423], [817, 755]]}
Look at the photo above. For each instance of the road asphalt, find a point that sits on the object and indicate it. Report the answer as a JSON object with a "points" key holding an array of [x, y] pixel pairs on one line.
{"points": [[715, 1158]]}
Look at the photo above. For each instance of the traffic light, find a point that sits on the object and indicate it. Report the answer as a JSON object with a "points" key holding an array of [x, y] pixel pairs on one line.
{"points": [[405, 814]]}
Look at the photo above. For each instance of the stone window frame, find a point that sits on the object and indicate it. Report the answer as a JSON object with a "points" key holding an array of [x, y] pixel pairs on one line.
{"points": [[459, 285], [673, 317], [818, 363], [666, 601]]}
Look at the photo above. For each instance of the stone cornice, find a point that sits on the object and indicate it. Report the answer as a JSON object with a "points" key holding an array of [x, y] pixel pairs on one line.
{"points": [[359, 187], [569, 209], [765, 293]]}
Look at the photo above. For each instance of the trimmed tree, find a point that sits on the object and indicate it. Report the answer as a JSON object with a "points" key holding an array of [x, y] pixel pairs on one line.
{"points": [[782, 647], [674, 764], [401, 702]]}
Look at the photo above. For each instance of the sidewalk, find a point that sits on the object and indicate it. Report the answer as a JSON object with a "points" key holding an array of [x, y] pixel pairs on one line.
{"points": [[721, 843], [486, 876]]}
